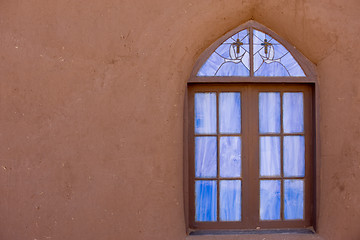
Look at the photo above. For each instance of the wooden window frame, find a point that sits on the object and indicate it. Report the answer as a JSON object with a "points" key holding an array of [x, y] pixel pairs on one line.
{"points": [[307, 84]]}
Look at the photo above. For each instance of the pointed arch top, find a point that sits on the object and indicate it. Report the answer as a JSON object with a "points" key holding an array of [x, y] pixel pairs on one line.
{"points": [[252, 53]]}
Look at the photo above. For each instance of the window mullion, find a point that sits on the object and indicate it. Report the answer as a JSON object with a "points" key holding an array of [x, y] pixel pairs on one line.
{"points": [[281, 158], [250, 172], [251, 40], [218, 159]]}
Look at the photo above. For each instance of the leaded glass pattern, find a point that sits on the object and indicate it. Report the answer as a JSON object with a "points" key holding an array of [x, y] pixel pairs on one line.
{"points": [[269, 57], [272, 59], [231, 58]]}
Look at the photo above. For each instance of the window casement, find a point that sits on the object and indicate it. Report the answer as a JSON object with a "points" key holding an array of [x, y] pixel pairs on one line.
{"points": [[250, 135]]}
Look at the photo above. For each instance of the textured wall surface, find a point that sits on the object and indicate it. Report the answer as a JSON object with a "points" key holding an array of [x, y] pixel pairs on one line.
{"points": [[91, 111]]}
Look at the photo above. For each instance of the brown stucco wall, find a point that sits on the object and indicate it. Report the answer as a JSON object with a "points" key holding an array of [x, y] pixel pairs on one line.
{"points": [[91, 111]]}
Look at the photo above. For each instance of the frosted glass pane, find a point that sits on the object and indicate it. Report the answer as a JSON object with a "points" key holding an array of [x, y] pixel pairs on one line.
{"points": [[230, 200], [292, 66], [205, 201], [294, 199], [230, 112], [280, 50], [230, 156], [294, 156], [231, 58], [270, 196], [272, 59], [205, 113], [232, 69], [269, 156], [205, 156], [293, 111], [272, 69], [211, 66], [269, 112]]}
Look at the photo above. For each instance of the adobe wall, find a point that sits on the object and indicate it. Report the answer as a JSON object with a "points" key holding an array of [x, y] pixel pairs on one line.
{"points": [[91, 111]]}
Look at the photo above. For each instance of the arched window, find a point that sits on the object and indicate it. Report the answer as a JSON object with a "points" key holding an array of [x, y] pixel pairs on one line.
{"points": [[250, 158]]}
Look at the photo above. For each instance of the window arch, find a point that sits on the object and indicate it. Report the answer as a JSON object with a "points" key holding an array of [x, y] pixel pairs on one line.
{"points": [[250, 158]]}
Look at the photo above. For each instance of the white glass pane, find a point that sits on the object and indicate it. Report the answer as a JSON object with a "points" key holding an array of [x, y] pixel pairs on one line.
{"points": [[294, 199], [269, 156], [205, 156], [230, 200], [205, 113], [293, 111], [230, 156], [269, 112], [230, 112], [205, 201], [294, 156], [270, 197]]}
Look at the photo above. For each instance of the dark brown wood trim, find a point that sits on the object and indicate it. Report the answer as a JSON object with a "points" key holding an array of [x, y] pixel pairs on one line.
{"points": [[218, 79]]}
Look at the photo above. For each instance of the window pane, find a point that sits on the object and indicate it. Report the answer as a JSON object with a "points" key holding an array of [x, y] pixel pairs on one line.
{"points": [[269, 112], [269, 156], [270, 196], [205, 201], [293, 108], [294, 156], [230, 156], [230, 200], [272, 59], [230, 112], [294, 199], [205, 156], [231, 58], [205, 113]]}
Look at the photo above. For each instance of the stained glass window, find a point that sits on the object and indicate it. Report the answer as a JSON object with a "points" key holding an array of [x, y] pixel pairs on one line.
{"points": [[231, 58], [251, 134], [273, 59], [269, 57]]}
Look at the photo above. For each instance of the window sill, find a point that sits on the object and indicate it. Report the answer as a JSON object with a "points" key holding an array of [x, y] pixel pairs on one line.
{"points": [[293, 234]]}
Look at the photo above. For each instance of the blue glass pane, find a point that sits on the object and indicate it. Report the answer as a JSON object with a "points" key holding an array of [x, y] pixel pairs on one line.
{"points": [[205, 113], [270, 196], [273, 59], [231, 68], [292, 66], [231, 58], [293, 112], [294, 156], [271, 69], [230, 112], [294, 199], [269, 156], [211, 66], [205, 156], [280, 51], [205, 201], [260, 36], [223, 50], [269, 112], [230, 156], [230, 200]]}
